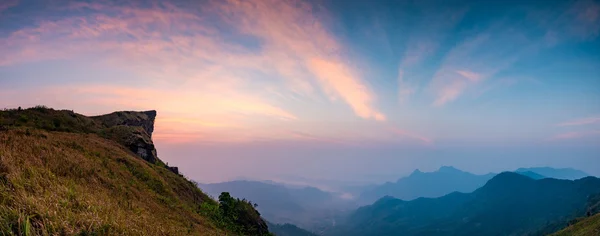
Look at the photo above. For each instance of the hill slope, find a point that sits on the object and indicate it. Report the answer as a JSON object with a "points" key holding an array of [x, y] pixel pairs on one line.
{"points": [[508, 204], [587, 227], [64, 173], [427, 184]]}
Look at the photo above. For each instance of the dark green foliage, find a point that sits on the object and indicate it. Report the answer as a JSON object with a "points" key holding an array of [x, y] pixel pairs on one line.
{"points": [[288, 230], [242, 215]]}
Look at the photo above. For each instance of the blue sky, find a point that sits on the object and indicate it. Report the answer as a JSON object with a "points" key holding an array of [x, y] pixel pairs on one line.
{"points": [[484, 85]]}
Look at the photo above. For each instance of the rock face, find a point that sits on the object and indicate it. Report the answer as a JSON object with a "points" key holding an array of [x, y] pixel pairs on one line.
{"points": [[144, 119], [174, 169], [132, 129]]}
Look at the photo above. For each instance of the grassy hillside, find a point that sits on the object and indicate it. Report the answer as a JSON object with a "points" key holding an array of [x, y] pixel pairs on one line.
{"points": [[589, 226], [60, 174]]}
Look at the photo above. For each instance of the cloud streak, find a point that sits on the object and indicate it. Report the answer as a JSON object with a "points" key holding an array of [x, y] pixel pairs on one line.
{"points": [[413, 136], [574, 135], [584, 121]]}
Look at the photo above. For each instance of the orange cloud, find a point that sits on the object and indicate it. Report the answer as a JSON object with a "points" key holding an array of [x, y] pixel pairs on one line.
{"points": [[337, 78], [298, 45]]}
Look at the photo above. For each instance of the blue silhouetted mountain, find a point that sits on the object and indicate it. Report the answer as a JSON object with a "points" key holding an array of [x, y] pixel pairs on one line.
{"points": [[427, 184], [561, 173], [530, 174], [508, 204]]}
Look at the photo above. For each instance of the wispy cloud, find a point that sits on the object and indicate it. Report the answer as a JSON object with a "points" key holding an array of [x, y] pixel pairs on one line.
{"points": [[296, 51], [405, 89], [579, 20], [340, 82], [583, 121], [574, 135], [422, 44], [300, 36], [477, 59], [412, 135], [470, 75]]}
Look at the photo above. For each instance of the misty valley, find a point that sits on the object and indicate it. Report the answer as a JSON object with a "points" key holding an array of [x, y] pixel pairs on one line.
{"points": [[448, 201]]}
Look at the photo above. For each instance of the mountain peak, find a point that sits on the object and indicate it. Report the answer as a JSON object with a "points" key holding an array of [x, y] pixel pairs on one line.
{"points": [[416, 172], [506, 180], [448, 169]]}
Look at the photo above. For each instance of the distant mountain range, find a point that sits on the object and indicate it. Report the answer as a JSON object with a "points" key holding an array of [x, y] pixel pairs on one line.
{"points": [[423, 200], [508, 204], [427, 184], [561, 173]]}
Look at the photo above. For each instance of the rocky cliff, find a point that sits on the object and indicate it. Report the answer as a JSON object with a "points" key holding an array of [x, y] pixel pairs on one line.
{"points": [[144, 119], [129, 128], [133, 130]]}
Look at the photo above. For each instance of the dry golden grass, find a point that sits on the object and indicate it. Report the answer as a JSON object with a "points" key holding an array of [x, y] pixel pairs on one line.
{"points": [[54, 183]]}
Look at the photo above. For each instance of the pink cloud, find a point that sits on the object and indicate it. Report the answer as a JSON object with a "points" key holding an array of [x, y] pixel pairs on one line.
{"points": [[414, 136], [584, 121], [470, 75], [451, 90], [574, 135], [168, 42], [477, 59]]}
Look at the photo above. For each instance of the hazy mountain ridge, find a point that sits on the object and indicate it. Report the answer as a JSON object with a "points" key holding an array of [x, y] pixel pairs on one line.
{"points": [[557, 173], [427, 184], [509, 203]]}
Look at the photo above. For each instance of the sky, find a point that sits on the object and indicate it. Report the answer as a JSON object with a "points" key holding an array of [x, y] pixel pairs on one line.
{"points": [[355, 91]]}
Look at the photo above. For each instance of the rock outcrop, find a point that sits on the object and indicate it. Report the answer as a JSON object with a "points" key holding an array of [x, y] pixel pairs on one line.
{"points": [[144, 119], [133, 130]]}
